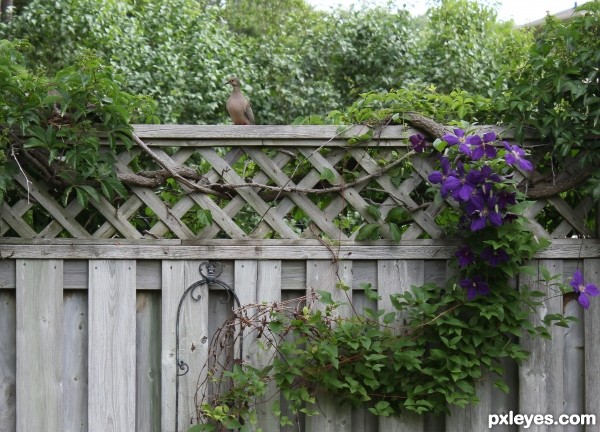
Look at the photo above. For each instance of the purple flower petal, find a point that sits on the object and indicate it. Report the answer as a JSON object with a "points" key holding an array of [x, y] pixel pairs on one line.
{"points": [[474, 140], [436, 177], [489, 137], [592, 290], [583, 300], [577, 280], [524, 164], [451, 139], [478, 224], [495, 218]]}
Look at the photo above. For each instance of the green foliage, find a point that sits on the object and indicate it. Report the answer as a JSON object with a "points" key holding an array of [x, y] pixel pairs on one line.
{"points": [[462, 45], [54, 126], [556, 90], [446, 108], [292, 60]]}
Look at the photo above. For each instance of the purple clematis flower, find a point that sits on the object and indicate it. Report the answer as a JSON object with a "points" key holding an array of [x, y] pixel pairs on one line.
{"points": [[467, 183], [486, 147], [483, 209], [494, 257], [516, 156], [475, 286], [506, 198], [446, 177], [465, 256], [470, 143], [584, 291], [417, 143]]}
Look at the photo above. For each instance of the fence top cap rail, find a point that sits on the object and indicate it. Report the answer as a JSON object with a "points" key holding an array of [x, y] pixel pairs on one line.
{"points": [[283, 132]]}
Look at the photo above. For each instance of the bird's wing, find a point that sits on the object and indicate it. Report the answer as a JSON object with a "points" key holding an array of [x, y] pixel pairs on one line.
{"points": [[249, 112]]}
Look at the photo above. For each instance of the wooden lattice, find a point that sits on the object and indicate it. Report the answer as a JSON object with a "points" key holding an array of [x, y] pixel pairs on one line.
{"points": [[235, 161]]}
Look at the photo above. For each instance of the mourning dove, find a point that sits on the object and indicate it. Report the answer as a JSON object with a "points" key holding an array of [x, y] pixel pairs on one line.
{"points": [[238, 106]]}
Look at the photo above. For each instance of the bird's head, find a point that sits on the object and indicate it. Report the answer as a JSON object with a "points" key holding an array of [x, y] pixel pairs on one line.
{"points": [[233, 81]]}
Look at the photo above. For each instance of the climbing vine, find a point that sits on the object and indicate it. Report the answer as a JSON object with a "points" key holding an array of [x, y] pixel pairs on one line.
{"points": [[428, 352]]}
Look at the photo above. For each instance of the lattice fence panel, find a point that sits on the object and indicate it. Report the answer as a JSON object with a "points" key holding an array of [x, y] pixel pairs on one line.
{"points": [[289, 183]]}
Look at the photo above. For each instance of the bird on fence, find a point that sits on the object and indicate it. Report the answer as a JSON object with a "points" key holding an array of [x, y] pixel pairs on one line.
{"points": [[238, 106]]}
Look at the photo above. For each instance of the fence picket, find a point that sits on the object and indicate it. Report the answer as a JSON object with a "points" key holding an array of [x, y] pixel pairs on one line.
{"points": [[8, 322], [177, 276], [75, 358], [111, 381], [396, 277], [324, 275], [148, 330], [258, 282], [541, 384], [39, 345], [592, 347]]}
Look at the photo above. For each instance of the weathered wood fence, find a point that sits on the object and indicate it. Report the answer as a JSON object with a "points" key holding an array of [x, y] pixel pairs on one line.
{"points": [[87, 309]]}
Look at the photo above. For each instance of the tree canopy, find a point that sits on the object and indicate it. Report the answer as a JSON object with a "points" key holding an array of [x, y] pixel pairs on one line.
{"points": [[293, 61]]}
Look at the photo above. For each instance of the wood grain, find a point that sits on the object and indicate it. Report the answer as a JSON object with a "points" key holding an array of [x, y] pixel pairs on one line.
{"points": [[177, 276], [75, 360], [259, 282], [592, 343], [542, 380], [112, 378], [322, 275], [8, 361], [148, 330], [39, 345], [396, 277]]}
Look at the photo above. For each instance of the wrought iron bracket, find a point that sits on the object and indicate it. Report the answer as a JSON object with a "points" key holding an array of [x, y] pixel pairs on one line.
{"points": [[210, 272]]}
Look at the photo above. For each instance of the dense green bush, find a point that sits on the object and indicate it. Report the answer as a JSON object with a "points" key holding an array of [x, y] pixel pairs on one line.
{"points": [[462, 45], [292, 60]]}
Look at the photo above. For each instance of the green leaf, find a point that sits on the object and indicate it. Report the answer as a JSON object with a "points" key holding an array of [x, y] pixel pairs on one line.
{"points": [[395, 232], [389, 318], [93, 193], [440, 145], [328, 175], [396, 215], [325, 297], [368, 232], [374, 212]]}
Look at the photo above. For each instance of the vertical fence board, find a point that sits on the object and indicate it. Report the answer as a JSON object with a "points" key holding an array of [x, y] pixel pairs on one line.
{"points": [[111, 352], [396, 277], [592, 345], [147, 362], [8, 343], [7, 273], [324, 275], [574, 370], [39, 345], [257, 282], [75, 361], [177, 276], [541, 375]]}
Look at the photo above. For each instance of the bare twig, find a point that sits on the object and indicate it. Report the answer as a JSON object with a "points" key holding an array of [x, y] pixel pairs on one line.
{"points": [[27, 181]]}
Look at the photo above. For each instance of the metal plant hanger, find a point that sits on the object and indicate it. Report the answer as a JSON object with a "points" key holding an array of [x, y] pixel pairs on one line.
{"points": [[210, 271]]}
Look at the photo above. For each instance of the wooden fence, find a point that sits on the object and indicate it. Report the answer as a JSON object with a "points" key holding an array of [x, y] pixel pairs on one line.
{"points": [[88, 301]]}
